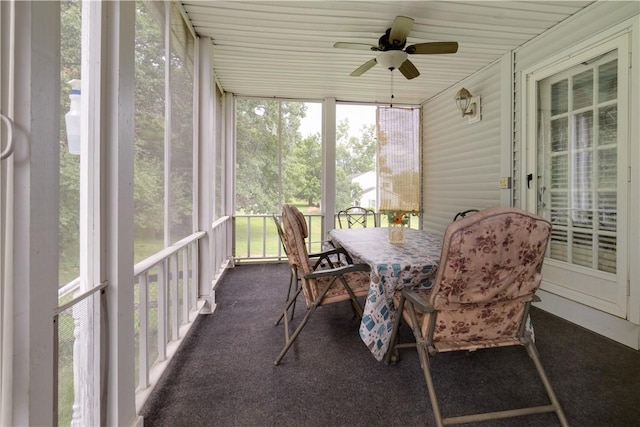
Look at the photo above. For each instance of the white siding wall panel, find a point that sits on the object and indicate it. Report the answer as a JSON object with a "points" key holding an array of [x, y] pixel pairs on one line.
{"points": [[461, 160]]}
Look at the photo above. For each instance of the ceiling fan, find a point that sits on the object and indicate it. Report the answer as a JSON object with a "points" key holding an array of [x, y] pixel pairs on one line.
{"points": [[393, 52]]}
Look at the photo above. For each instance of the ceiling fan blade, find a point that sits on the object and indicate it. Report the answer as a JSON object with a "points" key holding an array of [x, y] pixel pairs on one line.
{"points": [[400, 30], [358, 46], [432, 48], [364, 67], [409, 70]]}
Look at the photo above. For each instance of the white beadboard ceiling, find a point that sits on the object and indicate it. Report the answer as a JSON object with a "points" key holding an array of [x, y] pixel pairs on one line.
{"points": [[285, 48]]}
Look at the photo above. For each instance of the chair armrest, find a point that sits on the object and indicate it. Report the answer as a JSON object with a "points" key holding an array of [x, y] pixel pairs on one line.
{"points": [[325, 255], [339, 271], [328, 252], [419, 303]]}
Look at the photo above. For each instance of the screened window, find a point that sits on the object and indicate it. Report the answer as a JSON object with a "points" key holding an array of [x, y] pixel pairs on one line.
{"points": [[149, 122], [356, 142], [164, 160], [275, 162], [278, 161], [180, 160], [377, 156], [164, 131], [69, 225]]}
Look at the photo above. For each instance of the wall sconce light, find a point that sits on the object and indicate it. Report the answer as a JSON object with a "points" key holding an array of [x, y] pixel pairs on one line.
{"points": [[468, 105]]}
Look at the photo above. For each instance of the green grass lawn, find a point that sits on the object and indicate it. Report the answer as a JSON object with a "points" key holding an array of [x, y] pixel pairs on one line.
{"points": [[251, 230]]}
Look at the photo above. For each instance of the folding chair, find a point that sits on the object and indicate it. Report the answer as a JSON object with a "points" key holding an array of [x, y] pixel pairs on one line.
{"points": [[321, 286], [489, 271], [322, 260], [464, 214], [356, 216]]}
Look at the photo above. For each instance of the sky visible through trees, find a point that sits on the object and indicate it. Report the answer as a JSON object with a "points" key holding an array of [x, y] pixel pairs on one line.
{"points": [[358, 115]]}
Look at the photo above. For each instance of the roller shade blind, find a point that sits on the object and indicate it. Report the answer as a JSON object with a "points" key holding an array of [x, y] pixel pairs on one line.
{"points": [[398, 158]]}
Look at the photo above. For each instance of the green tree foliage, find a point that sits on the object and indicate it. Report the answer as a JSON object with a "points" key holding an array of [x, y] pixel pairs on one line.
{"points": [[266, 131], [304, 172], [276, 165], [354, 156], [181, 179], [149, 130], [149, 121], [346, 191]]}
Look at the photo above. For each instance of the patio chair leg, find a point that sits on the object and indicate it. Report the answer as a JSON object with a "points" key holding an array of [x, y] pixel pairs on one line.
{"points": [[354, 301], [291, 304], [426, 369], [293, 282], [291, 277], [305, 319], [533, 354], [423, 355], [392, 352], [295, 334]]}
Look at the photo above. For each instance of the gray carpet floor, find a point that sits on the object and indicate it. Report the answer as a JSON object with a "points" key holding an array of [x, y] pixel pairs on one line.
{"points": [[224, 375]]}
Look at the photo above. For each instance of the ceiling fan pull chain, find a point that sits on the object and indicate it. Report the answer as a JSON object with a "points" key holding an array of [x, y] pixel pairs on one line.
{"points": [[391, 103]]}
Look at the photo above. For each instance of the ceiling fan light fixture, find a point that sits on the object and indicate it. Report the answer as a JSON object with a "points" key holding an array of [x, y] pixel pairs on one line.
{"points": [[391, 59], [393, 53]]}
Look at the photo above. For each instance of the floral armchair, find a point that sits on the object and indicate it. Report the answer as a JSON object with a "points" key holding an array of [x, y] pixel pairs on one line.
{"points": [[489, 271], [320, 286]]}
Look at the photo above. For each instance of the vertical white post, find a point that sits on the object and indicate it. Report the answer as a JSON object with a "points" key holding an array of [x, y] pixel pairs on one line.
{"points": [[86, 334], [143, 331], [7, 31], [506, 126], [195, 276], [206, 141], [229, 183], [161, 291], [185, 284], [173, 296], [35, 211], [117, 146], [328, 165]]}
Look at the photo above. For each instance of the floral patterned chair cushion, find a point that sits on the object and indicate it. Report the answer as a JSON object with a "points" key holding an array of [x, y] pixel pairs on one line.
{"points": [[319, 286], [489, 271], [295, 230]]}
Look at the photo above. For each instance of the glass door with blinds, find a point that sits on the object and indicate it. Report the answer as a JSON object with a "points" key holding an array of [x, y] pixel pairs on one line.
{"points": [[581, 166]]}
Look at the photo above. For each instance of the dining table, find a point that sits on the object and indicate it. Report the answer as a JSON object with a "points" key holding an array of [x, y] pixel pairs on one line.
{"points": [[414, 262]]}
